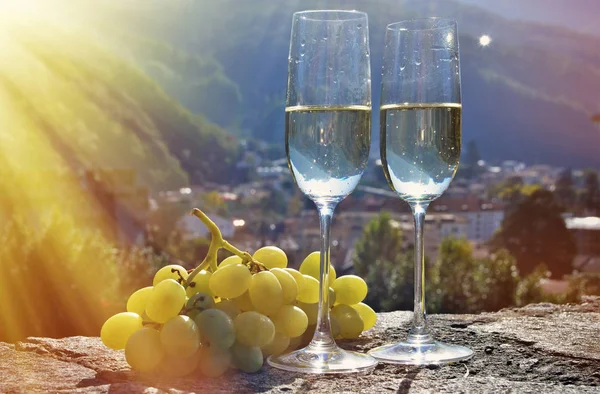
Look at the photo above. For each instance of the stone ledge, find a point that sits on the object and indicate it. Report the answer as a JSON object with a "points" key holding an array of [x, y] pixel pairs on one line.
{"points": [[540, 348]]}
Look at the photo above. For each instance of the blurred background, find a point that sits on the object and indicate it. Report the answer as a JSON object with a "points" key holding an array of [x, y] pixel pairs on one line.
{"points": [[118, 117]]}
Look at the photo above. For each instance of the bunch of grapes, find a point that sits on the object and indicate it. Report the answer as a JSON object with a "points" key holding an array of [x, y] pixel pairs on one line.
{"points": [[232, 315]]}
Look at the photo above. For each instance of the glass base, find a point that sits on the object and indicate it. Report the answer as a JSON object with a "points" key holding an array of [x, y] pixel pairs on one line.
{"points": [[314, 359], [421, 350]]}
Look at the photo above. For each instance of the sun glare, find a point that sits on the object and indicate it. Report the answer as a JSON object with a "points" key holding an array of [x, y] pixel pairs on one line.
{"points": [[485, 40], [12, 8], [57, 239]]}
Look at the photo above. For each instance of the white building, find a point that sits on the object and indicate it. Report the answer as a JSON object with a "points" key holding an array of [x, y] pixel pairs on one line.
{"points": [[482, 224], [482, 218], [451, 225], [586, 231]]}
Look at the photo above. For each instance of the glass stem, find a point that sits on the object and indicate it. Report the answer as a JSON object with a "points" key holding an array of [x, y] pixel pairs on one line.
{"points": [[323, 337], [419, 329]]}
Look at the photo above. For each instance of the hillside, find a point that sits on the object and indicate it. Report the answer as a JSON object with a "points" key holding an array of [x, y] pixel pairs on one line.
{"points": [[528, 96], [69, 103]]}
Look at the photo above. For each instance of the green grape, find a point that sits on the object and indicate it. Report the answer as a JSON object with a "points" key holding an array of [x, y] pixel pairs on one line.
{"points": [[247, 358], [351, 324], [136, 302], [290, 320], [165, 301], [214, 362], [173, 271], [199, 284], [177, 366], [277, 346], [288, 284], [254, 329], [266, 293], [311, 310], [117, 329], [144, 351], [297, 276], [349, 289], [230, 281], [336, 330], [271, 257], [180, 336], [367, 314], [229, 307], [243, 302], [332, 297], [295, 343], [216, 329], [231, 260], [309, 292], [200, 301], [311, 266]]}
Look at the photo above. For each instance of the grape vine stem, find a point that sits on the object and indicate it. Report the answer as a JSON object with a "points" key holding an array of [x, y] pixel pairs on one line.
{"points": [[217, 242]]}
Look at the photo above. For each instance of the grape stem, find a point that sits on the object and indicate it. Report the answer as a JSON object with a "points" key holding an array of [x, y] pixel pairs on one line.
{"points": [[217, 242]]}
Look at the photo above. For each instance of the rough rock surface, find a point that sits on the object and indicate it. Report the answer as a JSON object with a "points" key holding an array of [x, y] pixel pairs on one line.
{"points": [[541, 348]]}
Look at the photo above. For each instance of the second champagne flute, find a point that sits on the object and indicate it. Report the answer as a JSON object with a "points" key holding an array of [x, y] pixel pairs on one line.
{"points": [[328, 133], [420, 149]]}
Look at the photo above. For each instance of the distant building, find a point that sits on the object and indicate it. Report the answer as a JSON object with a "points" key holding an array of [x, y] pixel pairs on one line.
{"points": [[586, 232], [478, 189], [272, 172], [348, 226], [512, 166], [539, 175], [483, 218]]}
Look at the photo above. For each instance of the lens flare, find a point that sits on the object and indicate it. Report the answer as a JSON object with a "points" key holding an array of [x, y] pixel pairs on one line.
{"points": [[485, 40], [59, 272]]}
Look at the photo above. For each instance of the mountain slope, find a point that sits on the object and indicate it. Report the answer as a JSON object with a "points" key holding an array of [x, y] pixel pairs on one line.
{"points": [[539, 83], [81, 107]]}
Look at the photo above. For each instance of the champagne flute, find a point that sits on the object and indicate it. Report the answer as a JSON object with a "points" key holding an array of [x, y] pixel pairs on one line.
{"points": [[420, 150], [328, 133]]}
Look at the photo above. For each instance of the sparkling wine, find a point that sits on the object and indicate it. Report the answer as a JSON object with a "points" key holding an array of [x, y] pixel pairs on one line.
{"points": [[327, 148], [420, 148]]}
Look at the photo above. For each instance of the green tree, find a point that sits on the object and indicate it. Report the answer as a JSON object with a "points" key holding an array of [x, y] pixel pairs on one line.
{"points": [[530, 291], [275, 204], [512, 191], [213, 202], [469, 165], [452, 276], [583, 284], [497, 280], [294, 205], [535, 233], [564, 190], [162, 223], [380, 259], [462, 284], [456, 283]]}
